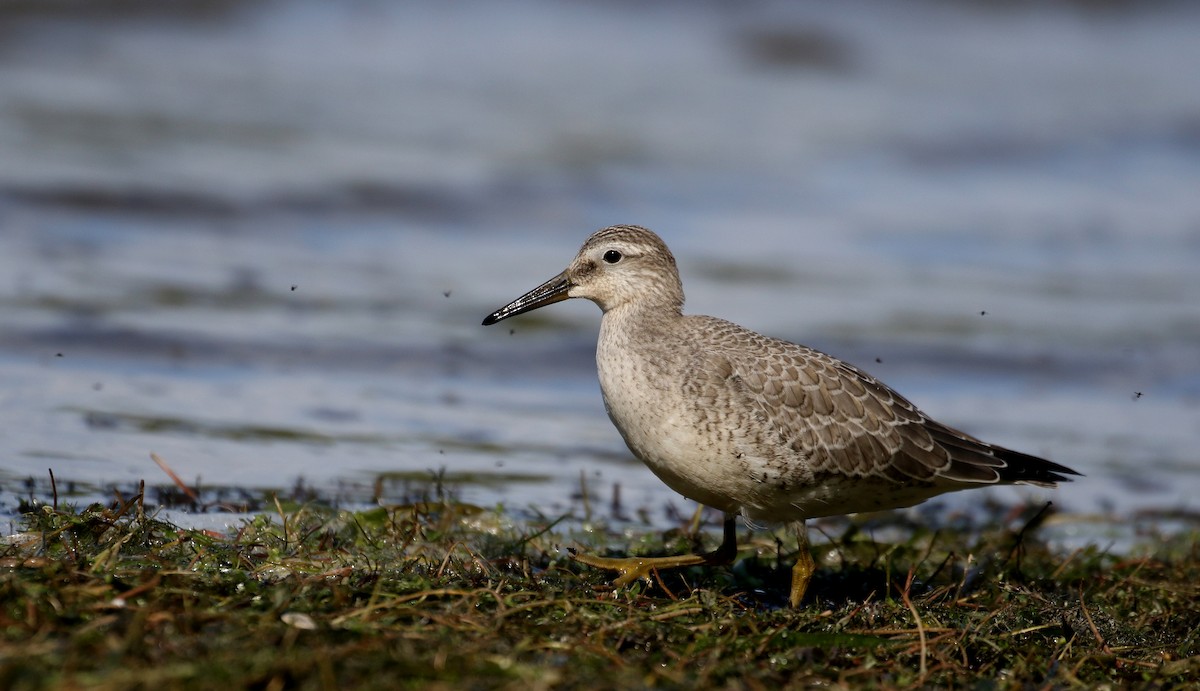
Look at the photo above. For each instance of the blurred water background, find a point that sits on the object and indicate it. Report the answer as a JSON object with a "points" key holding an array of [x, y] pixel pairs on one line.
{"points": [[257, 238]]}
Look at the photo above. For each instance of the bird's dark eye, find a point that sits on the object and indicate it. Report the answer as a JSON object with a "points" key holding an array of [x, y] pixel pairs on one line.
{"points": [[612, 256]]}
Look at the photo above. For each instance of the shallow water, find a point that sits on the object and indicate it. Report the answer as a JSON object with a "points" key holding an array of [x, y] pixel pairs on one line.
{"points": [[258, 240]]}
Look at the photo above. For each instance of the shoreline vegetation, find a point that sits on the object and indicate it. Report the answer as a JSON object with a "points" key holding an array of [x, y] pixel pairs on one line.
{"points": [[436, 593]]}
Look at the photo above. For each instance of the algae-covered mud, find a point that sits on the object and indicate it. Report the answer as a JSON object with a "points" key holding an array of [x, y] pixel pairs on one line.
{"points": [[436, 593]]}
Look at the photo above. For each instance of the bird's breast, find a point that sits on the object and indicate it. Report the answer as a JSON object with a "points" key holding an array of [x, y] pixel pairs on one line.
{"points": [[643, 393]]}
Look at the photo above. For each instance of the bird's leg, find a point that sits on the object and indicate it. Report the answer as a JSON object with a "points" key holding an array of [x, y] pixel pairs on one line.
{"points": [[633, 568], [803, 570]]}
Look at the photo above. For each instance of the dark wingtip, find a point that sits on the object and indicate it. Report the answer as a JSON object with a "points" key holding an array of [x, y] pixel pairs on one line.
{"points": [[1025, 468], [489, 320]]}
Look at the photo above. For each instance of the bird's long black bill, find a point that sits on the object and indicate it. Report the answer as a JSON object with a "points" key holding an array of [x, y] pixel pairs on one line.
{"points": [[554, 290]]}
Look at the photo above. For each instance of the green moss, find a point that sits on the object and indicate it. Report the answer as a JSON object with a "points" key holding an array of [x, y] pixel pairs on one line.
{"points": [[435, 594]]}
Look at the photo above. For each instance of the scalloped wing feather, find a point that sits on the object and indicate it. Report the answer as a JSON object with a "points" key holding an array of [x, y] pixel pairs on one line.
{"points": [[841, 420]]}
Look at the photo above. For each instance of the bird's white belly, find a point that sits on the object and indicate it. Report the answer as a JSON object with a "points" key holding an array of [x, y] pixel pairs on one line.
{"points": [[662, 433]]}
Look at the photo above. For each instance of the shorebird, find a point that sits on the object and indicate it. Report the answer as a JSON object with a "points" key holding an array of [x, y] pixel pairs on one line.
{"points": [[751, 425]]}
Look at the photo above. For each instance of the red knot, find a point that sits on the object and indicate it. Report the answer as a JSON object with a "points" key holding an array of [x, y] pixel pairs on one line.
{"points": [[752, 425]]}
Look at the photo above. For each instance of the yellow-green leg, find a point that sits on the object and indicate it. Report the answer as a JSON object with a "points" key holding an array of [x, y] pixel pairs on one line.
{"points": [[633, 568], [803, 570]]}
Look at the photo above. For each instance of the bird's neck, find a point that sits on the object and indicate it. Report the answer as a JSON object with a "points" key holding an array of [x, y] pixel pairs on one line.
{"points": [[639, 314], [629, 327]]}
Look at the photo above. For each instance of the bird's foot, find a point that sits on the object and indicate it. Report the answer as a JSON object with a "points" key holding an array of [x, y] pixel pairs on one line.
{"points": [[801, 574], [803, 570], [631, 569]]}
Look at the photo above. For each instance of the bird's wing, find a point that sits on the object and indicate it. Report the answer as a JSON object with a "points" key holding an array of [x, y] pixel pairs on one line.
{"points": [[844, 421]]}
